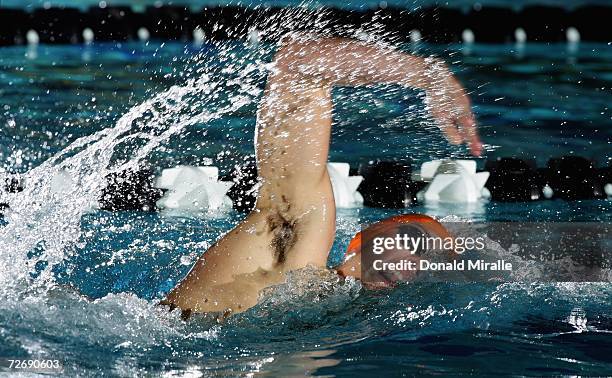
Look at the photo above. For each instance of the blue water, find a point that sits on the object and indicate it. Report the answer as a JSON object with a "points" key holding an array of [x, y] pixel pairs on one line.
{"points": [[101, 315]]}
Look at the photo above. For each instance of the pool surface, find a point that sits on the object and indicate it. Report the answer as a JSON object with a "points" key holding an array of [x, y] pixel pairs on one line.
{"points": [[81, 285]]}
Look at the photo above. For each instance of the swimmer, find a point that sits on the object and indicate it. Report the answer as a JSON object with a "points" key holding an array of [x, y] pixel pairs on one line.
{"points": [[293, 223]]}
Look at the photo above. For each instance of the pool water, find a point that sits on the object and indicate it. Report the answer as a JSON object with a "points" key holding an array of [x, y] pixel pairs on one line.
{"points": [[81, 285]]}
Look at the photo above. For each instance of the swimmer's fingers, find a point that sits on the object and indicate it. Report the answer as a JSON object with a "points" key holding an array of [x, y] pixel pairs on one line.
{"points": [[460, 130], [451, 132], [464, 120], [469, 133], [448, 127], [450, 106]]}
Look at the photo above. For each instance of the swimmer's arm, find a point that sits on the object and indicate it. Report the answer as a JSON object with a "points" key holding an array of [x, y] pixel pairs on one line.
{"points": [[339, 61]]}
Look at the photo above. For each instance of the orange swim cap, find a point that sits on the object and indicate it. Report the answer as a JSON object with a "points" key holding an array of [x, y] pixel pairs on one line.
{"points": [[424, 224]]}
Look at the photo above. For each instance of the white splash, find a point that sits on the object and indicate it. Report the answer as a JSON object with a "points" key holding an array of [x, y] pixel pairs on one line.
{"points": [[46, 216]]}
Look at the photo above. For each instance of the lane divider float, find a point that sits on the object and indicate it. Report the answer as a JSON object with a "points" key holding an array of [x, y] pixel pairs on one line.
{"points": [[384, 184]]}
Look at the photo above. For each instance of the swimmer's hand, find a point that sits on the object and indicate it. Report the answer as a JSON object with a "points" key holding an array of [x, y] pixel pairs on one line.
{"points": [[450, 106], [348, 62]]}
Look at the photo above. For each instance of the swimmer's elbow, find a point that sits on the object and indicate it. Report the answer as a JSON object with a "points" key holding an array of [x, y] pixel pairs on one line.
{"points": [[292, 39], [296, 52], [286, 53]]}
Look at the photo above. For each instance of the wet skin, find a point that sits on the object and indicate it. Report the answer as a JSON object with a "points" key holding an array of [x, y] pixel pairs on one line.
{"points": [[293, 223]]}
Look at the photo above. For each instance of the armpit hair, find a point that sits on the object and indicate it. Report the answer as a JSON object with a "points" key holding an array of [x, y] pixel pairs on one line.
{"points": [[284, 235]]}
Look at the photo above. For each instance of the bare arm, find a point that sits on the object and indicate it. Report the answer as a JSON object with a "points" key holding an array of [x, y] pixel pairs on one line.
{"points": [[293, 224], [353, 63]]}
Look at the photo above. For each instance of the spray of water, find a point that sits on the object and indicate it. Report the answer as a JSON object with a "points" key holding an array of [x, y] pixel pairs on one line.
{"points": [[44, 220]]}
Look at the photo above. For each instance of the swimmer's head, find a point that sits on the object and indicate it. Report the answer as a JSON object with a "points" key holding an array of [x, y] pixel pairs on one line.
{"points": [[372, 240]]}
